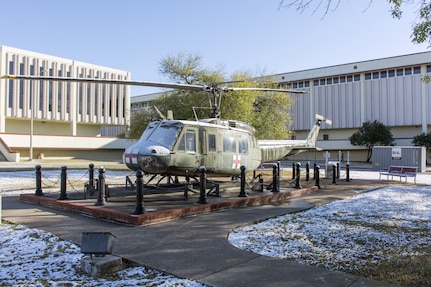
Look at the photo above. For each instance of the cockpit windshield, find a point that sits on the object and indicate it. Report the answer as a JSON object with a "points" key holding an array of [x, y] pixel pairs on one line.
{"points": [[164, 133]]}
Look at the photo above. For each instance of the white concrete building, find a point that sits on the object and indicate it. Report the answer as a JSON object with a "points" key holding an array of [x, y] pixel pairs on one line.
{"points": [[390, 90], [55, 119]]}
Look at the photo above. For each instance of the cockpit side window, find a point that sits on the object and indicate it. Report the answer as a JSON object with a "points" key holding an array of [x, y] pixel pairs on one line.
{"points": [[188, 142]]}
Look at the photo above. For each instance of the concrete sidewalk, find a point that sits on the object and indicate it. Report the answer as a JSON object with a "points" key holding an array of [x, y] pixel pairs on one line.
{"points": [[195, 247]]}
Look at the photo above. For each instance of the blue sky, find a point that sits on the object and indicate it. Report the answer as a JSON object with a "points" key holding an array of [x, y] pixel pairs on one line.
{"points": [[248, 35]]}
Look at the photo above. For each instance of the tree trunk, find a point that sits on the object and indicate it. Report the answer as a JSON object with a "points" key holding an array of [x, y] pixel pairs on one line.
{"points": [[369, 154]]}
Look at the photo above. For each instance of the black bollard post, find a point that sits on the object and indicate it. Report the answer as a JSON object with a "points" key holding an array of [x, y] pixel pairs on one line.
{"points": [[298, 175], [63, 177], [278, 168], [89, 187], [317, 172], [275, 183], [39, 180], [338, 171], [242, 191], [101, 188], [314, 170], [293, 170], [202, 186], [334, 174], [91, 176], [261, 183], [139, 209], [307, 171], [347, 172]]}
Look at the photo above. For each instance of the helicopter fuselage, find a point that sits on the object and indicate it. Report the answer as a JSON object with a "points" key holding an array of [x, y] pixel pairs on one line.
{"points": [[179, 147]]}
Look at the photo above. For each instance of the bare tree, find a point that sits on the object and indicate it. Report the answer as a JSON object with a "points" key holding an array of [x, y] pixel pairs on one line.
{"points": [[421, 28]]}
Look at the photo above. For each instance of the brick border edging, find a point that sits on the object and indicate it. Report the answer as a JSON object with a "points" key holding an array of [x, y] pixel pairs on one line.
{"points": [[102, 212]]}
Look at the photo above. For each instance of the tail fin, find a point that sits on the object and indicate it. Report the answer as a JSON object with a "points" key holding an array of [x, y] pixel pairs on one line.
{"points": [[312, 135]]}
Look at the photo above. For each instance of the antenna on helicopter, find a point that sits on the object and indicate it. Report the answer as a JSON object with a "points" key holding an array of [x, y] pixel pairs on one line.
{"points": [[162, 116]]}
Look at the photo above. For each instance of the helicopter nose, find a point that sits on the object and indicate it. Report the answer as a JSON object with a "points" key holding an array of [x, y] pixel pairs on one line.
{"points": [[154, 159], [150, 158]]}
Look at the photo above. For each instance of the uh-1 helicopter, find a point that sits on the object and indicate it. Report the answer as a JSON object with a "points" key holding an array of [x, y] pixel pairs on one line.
{"points": [[180, 147]]}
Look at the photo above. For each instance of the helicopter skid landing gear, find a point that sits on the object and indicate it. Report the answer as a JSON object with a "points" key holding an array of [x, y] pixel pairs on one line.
{"points": [[212, 189]]}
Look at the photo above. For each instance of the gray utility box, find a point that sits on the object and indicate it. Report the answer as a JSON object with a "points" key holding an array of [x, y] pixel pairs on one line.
{"points": [[385, 156], [99, 243]]}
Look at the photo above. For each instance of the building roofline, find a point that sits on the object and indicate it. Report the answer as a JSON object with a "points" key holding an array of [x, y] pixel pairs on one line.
{"points": [[356, 67], [77, 63]]}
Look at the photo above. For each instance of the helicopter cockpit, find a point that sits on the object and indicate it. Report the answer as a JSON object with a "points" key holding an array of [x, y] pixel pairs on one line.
{"points": [[163, 133], [152, 152]]}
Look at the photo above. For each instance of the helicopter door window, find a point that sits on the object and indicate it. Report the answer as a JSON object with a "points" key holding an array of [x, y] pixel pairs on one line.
{"points": [[229, 145], [188, 142], [243, 146], [212, 142]]}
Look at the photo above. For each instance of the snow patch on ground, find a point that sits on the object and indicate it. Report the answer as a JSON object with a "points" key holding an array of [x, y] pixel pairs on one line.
{"points": [[31, 257], [347, 234]]}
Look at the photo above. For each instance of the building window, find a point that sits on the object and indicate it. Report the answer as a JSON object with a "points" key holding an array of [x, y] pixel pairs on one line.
{"points": [[368, 76], [325, 137], [383, 74], [416, 70], [21, 87], [11, 91], [68, 93], [400, 72], [375, 75], [391, 73], [408, 71], [429, 69], [357, 78], [50, 91]]}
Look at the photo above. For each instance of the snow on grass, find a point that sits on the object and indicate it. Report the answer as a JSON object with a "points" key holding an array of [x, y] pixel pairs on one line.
{"points": [[31, 257], [347, 234]]}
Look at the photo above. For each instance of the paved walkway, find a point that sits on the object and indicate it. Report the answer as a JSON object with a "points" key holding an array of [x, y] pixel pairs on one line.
{"points": [[194, 247]]}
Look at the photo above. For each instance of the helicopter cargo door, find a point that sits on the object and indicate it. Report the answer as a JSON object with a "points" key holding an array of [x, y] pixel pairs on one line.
{"points": [[210, 154], [187, 155]]}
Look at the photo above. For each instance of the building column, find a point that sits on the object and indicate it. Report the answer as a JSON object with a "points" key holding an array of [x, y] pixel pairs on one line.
{"points": [[424, 110], [362, 93]]}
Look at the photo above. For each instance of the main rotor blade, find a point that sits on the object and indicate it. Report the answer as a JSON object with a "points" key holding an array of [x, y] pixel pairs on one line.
{"points": [[226, 89], [196, 88], [108, 81]]}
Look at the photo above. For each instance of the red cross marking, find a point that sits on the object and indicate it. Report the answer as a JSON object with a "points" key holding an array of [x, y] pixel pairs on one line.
{"points": [[132, 158], [236, 161]]}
